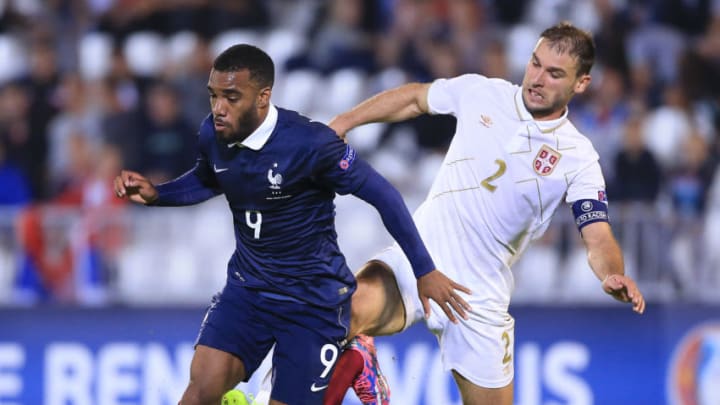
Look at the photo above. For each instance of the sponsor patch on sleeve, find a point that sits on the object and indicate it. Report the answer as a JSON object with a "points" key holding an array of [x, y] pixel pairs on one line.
{"points": [[347, 158], [588, 211]]}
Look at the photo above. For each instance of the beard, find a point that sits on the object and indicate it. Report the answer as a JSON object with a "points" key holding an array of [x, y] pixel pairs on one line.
{"points": [[242, 127]]}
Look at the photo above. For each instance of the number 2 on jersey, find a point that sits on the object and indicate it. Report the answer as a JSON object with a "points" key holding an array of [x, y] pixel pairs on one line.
{"points": [[254, 225], [502, 166]]}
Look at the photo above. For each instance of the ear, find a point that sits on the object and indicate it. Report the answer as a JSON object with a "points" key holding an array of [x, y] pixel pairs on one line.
{"points": [[582, 83], [263, 97]]}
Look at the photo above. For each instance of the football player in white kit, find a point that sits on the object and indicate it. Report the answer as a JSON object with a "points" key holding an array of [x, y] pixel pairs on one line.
{"points": [[513, 159]]}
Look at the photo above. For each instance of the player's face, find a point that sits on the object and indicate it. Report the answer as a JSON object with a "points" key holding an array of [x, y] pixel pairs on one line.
{"points": [[550, 82], [238, 105]]}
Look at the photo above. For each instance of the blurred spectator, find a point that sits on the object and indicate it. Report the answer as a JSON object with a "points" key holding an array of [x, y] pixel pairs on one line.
{"points": [[637, 173], [471, 34], [691, 177], [167, 138], [689, 183], [42, 82], [15, 15], [405, 44], [191, 83], [341, 39], [653, 54], [700, 66], [205, 17], [222, 15], [615, 24], [668, 127], [72, 261], [78, 116], [602, 116], [14, 187], [690, 17], [25, 145]]}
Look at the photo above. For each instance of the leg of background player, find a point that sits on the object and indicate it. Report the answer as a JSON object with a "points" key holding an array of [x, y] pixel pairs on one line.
{"points": [[377, 306]]}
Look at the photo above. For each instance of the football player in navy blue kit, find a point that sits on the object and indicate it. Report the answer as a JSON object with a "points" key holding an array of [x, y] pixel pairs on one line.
{"points": [[287, 282]]}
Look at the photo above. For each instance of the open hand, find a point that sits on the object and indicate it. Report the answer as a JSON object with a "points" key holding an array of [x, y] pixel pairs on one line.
{"points": [[438, 287], [624, 289]]}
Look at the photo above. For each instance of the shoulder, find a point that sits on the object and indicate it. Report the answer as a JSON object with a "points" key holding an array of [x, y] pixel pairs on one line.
{"points": [[573, 138], [471, 87], [473, 81], [304, 129]]}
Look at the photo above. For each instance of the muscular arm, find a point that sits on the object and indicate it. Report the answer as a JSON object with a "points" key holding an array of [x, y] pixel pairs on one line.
{"points": [[604, 255], [394, 105], [605, 259]]}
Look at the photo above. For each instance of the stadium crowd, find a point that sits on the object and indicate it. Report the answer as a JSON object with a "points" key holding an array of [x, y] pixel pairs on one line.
{"points": [[90, 86]]}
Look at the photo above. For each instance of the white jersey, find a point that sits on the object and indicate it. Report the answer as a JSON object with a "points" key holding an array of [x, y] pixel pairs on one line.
{"points": [[502, 179]]}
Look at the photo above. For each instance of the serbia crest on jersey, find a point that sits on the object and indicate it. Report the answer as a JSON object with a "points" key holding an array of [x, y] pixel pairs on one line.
{"points": [[546, 160]]}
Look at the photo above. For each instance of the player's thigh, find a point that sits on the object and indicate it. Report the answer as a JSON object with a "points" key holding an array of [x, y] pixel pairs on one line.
{"points": [[400, 286], [475, 395], [233, 338], [377, 307], [309, 342], [481, 349]]}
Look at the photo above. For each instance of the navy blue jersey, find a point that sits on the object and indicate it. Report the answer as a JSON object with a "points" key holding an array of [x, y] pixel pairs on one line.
{"points": [[281, 197], [280, 190]]}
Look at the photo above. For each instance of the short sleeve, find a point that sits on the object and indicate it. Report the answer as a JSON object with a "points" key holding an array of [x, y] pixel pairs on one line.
{"points": [[445, 94], [587, 184]]}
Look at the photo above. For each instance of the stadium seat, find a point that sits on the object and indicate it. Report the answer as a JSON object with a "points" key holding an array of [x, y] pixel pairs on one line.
{"points": [[145, 53], [229, 38], [365, 138], [281, 44], [180, 48], [13, 57], [345, 88], [94, 55], [298, 90]]}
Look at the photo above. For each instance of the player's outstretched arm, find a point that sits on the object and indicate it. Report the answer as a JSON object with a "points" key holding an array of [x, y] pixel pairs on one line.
{"points": [[605, 258], [135, 187], [394, 105]]}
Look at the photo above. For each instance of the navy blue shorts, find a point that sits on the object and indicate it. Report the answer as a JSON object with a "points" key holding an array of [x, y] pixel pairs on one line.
{"points": [[307, 339]]}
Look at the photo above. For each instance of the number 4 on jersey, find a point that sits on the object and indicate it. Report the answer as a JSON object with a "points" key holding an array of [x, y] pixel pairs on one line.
{"points": [[256, 224]]}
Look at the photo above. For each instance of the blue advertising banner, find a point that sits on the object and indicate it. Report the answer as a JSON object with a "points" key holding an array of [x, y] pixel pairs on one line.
{"points": [[580, 355]]}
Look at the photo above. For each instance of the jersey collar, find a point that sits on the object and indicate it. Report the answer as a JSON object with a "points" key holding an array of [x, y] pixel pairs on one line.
{"points": [[543, 126], [257, 139]]}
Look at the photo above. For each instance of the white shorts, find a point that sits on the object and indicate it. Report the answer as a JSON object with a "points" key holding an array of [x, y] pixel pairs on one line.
{"points": [[480, 348]]}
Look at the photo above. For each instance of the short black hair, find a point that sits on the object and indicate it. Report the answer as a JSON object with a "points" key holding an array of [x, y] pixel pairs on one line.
{"points": [[565, 37], [244, 56]]}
